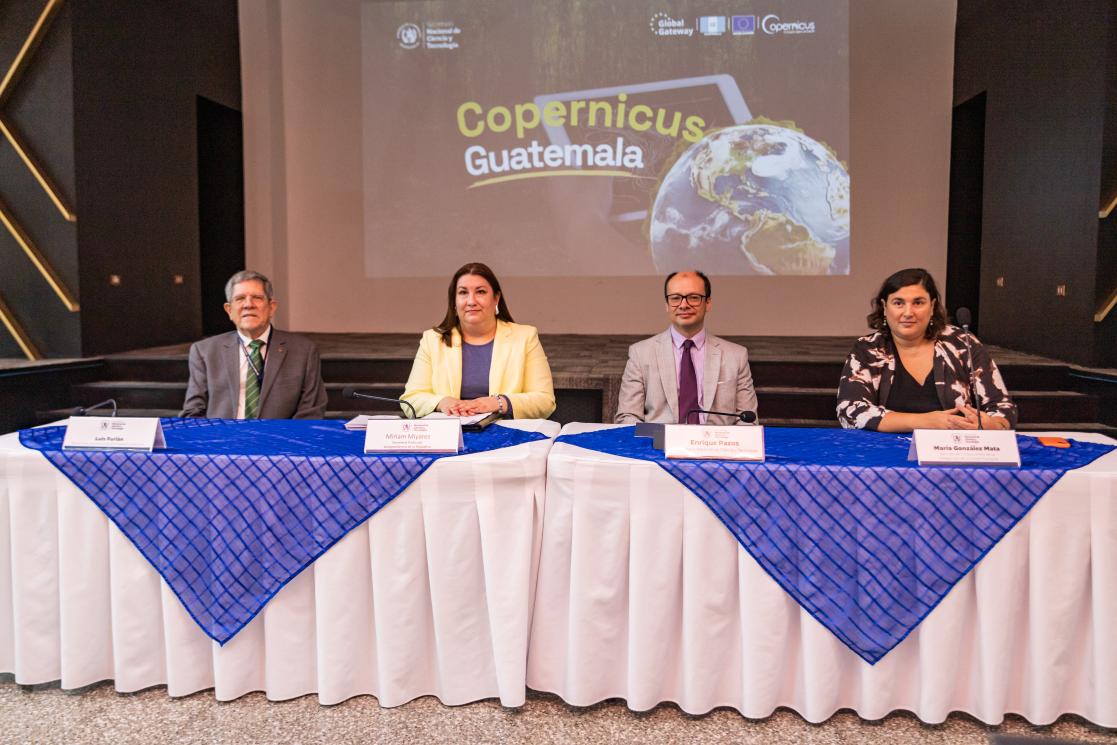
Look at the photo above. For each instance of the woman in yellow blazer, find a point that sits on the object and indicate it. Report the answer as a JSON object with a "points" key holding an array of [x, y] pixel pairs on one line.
{"points": [[477, 360]]}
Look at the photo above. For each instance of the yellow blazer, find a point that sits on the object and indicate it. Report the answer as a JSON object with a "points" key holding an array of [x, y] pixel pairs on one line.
{"points": [[519, 370]]}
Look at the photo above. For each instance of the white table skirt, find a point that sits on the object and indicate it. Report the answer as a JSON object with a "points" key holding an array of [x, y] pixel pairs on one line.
{"points": [[430, 596], [644, 595]]}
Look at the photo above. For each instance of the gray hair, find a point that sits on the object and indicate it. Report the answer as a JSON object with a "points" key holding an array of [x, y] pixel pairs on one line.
{"points": [[246, 275]]}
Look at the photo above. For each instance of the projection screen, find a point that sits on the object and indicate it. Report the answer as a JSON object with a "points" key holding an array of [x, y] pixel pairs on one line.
{"points": [[388, 143], [575, 138]]}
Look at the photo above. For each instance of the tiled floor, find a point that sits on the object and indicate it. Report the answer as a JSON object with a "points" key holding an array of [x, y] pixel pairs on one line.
{"points": [[100, 715]]}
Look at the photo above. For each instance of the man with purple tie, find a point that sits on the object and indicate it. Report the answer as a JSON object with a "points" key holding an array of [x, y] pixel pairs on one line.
{"points": [[672, 374]]}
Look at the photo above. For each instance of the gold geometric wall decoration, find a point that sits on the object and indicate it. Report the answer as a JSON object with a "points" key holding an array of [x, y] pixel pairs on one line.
{"points": [[17, 332], [1107, 306], [7, 85], [37, 258], [9, 133], [1105, 211], [37, 171]]}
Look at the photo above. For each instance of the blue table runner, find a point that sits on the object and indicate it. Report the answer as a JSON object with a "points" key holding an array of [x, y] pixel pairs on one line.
{"points": [[863, 539], [233, 510]]}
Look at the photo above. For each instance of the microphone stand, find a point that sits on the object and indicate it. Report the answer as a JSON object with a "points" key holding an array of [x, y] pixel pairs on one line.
{"points": [[654, 430], [963, 317], [350, 393], [83, 410], [747, 417]]}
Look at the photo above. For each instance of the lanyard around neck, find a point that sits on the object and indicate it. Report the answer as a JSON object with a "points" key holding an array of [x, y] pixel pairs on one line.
{"points": [[258, 371]]}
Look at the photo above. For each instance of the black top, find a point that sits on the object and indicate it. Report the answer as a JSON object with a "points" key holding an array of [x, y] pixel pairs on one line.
{"points": [[908, 396], [867, 378]]}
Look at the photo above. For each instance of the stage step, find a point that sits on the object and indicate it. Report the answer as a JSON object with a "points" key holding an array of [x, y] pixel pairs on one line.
{"points": [[176, 368], [60, 415], [817, 374], [132, 394], [574, 403], [782, 402], [779, 406], [796, 379], [1025, 428], [1050, 406], [148, 394], [374, 368], [819, 404], [796, 422]]}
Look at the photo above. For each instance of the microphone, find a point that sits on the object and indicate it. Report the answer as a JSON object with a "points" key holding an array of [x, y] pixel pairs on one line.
{"points": [[748, 417], [351, 392], [964, 319], [83, 410]]}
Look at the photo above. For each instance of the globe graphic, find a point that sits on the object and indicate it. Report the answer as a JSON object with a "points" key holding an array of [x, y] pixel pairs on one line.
{"points": [[753, 199]]}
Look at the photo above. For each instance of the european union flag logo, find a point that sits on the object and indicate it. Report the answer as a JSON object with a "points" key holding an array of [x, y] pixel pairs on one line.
{"points": [[744, 25], [711, 25]]}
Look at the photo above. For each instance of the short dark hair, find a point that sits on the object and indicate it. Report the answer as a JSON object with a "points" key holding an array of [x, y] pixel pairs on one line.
{"points": [[906, 278], [451, 321], [705, 280], [247, 275]]}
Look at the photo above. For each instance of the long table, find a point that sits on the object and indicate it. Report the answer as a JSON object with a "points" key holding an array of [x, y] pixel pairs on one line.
{"points": [[431, 596], [644, 595], [628, 585]]}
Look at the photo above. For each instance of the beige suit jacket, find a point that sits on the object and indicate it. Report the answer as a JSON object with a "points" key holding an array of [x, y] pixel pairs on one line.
{"points": [[650, 390]]}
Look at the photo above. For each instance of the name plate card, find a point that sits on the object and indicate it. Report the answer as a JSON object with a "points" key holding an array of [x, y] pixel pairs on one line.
{"points": [[702, 441], [413, 436], [964, 447], [113, 433]]}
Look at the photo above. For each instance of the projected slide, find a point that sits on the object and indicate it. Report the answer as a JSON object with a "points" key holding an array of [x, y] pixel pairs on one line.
{"points": [[594, 139]]}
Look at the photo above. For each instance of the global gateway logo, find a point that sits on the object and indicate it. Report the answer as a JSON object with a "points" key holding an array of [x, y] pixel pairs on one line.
{"points": [[773, 25], [662, 24]]}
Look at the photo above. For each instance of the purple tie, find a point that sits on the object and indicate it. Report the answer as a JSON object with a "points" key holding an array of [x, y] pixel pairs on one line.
{"points": [[688, 386]]}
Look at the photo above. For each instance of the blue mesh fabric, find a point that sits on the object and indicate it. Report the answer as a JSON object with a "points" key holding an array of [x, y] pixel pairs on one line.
{"points": [[232, 510], [866, 541]]}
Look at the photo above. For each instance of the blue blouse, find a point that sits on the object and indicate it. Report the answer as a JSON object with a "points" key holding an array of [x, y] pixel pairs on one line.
{"points": [[476, 361]]}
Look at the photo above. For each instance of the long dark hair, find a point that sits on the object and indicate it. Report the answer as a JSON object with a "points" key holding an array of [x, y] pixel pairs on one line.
{"points": [[905, 278], [451, 321]]}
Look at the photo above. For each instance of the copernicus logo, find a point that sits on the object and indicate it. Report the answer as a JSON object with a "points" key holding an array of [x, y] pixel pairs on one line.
{"points": [[773, 25], [409, 35], [662, 24]]}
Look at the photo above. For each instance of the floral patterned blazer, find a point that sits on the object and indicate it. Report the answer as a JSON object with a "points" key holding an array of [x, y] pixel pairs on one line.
{"points": [[867, 379]]}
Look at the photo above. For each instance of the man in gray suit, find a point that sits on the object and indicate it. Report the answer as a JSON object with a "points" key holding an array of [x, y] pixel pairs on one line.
{"points": [[255, 372], [684, 368]]}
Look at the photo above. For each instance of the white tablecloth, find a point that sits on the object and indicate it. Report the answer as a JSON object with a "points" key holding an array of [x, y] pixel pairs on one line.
{"points": [[644, 595], [430, 596]]}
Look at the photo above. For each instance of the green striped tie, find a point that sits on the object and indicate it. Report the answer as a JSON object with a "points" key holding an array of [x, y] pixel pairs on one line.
{"points": [[252, 381]]}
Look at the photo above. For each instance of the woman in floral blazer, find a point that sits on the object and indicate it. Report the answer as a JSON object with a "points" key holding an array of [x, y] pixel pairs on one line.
{"points": [[880, 387]]}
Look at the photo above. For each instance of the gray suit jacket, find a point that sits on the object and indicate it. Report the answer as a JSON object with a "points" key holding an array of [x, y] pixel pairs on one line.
{"points": [[650, 391], [292, 389]]}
